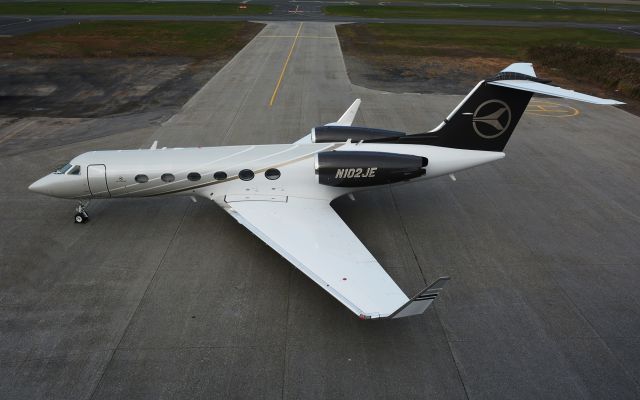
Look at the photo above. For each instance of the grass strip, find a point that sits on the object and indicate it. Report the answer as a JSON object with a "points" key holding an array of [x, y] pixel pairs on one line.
{"points": [[100, 8], [133, 39], [521, 3], [424, 40], [585, 16]]}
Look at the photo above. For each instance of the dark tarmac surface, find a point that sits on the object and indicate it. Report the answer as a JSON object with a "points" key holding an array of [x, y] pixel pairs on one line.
{"points": [[165, 298], [12, 25]]}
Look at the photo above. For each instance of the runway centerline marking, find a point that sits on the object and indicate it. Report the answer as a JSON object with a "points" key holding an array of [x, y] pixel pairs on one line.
{"points": [[284, 67]]}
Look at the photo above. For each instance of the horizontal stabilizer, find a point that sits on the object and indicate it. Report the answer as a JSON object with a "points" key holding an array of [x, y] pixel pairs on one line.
{"points": [[521, 68], [420, 302], [549, 90]]}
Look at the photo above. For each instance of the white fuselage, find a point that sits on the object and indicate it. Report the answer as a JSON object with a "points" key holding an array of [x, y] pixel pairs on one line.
{"points": [[112, 174]]}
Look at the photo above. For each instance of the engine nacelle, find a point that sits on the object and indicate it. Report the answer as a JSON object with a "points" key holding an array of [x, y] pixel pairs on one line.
{"points": [[367, 168], [331, 134]]}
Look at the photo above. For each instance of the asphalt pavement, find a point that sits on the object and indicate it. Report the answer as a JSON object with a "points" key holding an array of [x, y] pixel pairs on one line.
{"points": [[166, 298], [19, 25]]}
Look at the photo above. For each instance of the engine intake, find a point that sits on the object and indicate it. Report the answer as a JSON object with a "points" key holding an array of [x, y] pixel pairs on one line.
{"points": [[330, 134], [367, 168]]}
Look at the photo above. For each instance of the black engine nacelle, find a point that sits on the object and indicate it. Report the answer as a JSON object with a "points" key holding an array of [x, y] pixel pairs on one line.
{"points": [[330, 134], [367, 168]]}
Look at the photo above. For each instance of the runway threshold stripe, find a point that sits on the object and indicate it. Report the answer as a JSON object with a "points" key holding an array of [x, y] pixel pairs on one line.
{"points": [[284, 67]]}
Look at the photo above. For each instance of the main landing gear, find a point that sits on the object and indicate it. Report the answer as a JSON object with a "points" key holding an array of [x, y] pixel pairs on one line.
{"points": [[81, 216]]}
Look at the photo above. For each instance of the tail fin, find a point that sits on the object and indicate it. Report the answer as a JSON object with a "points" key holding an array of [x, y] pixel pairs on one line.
{"points": [[487, 116]]}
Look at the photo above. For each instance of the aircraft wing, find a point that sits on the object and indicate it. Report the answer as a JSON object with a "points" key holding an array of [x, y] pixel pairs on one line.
{"points": [[310, 235], [345, 120]]}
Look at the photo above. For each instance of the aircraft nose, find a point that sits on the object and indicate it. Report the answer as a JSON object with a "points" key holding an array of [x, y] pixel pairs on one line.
{"points": [[40, 186]]}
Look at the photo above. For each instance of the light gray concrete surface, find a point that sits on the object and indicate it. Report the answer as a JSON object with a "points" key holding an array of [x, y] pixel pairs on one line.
{"points": [[164, 298]]}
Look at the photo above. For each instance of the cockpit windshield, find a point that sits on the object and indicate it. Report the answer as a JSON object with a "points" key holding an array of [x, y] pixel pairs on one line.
{"points": [[62, 169]]}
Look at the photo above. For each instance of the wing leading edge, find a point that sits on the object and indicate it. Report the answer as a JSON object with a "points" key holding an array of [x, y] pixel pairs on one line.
{"points": [[310, 235]]}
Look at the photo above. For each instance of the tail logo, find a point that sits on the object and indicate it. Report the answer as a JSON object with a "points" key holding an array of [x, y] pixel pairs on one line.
{"points": [[491, 119]]}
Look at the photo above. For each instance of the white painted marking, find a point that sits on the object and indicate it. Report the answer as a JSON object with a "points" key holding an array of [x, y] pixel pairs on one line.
{"points": [[626, 29], [26, 21]]}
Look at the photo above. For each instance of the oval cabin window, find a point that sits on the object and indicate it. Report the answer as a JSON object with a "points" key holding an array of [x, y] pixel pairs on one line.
{"points": [[272, 174], [246, 174], [142, 178], [193, 176], [168, 178], [220, 176]]}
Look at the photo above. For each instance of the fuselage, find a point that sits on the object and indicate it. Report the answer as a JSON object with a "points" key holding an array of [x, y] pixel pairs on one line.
{"points": [[254, 172]]}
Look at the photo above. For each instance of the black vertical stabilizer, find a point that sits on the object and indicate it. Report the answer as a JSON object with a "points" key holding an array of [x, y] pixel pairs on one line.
{"points": [[483, 121]]}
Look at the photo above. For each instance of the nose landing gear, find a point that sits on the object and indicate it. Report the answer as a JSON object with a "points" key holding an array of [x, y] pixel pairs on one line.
{"points": [[81, 216]]}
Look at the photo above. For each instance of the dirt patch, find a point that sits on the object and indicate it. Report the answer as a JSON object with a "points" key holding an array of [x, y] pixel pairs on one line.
{"points": [[452, 59], [99, 69], [400, 74], [99, 87], [454, 75]]}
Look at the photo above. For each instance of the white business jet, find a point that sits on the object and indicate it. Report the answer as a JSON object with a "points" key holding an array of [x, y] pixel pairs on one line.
{"points": [[282, 193]]}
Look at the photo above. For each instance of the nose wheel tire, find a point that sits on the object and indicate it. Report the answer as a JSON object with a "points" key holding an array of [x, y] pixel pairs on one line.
{"points": [[81, 217]]}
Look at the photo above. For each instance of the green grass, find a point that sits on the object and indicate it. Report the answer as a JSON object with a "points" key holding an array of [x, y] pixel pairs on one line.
{"points": [[133, 39], [483, 13], [93, 8], [539, 3], [424, 40]]}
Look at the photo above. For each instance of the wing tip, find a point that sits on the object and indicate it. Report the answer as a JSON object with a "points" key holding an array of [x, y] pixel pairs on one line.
{"points": [[347, 118], [525, 68], [419, 303]]}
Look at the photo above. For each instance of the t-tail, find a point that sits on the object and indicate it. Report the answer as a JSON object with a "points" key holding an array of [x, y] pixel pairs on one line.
{"points": [[488, 115]]}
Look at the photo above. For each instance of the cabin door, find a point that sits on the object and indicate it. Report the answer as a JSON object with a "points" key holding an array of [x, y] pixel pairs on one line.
{"points": [[97, 179]]}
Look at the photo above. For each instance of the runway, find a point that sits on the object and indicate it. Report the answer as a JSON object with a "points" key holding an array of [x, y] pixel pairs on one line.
{"points": [[166, 298]]}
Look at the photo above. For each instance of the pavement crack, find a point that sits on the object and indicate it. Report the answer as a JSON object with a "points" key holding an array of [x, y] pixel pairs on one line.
{"points": [[415, 257], [146, 291], [406, 234], [286, 334]]}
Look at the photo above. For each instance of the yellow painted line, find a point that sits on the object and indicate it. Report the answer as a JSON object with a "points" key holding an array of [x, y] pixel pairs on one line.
{"points": [[545, 108], [284, 67], [547, 111]]}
